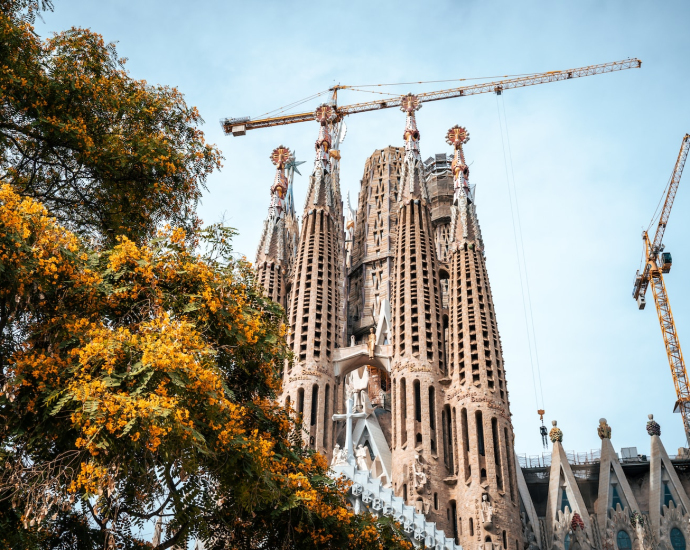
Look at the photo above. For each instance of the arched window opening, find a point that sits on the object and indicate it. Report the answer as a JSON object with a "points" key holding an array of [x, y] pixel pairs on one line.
{"points": [[300, 401], [471, 528], [497, 454], [480, 433], [405, 493], [668, 496], [616, 498], [505, 540], [326, 417], [417, 401], [435, 501], [677, 539], [623, 540], [432, 407], [564, 500], [314, 403], [287, 402], [454, 521], [403, 411]]}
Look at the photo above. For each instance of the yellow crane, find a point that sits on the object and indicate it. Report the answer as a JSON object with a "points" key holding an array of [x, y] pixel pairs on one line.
{"points": [[239, 126], [658, 262]]}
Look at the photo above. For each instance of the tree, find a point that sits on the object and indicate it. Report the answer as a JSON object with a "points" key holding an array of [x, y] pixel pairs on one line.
{"points": [[145, 387], [108, 155]]}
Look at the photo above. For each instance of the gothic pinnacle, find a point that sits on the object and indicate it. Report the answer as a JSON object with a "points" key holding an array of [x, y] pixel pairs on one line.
{"points": [[457, 136]]}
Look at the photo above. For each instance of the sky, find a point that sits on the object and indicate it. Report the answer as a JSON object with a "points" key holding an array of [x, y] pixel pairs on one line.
{"points": [[589, 159]]}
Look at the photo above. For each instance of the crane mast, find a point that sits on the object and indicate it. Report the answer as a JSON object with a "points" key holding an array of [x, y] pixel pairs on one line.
{"points": [[658, 262], [239, 126]]}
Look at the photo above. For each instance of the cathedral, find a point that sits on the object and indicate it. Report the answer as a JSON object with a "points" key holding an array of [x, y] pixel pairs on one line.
{"points": [[398, 373]]}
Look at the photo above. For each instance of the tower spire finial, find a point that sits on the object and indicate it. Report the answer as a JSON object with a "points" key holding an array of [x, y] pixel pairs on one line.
{"points": [[280, 156], [409, 104], [457, 136], [324, 114]]}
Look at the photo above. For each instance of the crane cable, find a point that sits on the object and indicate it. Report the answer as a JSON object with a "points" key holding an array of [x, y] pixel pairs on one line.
{"points": [[521, 257]]}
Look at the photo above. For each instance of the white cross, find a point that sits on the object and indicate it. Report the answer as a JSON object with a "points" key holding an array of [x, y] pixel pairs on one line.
{"points": [[348, 416]]}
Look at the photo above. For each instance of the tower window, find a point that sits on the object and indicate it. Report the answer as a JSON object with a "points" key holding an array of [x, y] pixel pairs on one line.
{"points": [[623, 540], [564, 500], [677, 539], [668, 497], [616, 499]]}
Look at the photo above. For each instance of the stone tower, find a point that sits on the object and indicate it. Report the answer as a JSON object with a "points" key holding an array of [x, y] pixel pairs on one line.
{"points": [[316, 302], [274, 257], [373, 246], [483, 499], [418, 357]]}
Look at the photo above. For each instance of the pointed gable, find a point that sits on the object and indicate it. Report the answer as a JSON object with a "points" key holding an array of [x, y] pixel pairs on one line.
{"points": [[614, 489], [664, 484], [564, 494]]}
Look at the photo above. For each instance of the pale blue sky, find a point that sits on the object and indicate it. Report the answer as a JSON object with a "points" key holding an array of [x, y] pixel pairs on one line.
{"points": [[591, 158]]}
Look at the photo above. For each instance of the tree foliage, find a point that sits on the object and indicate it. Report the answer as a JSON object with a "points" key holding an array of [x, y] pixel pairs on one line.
{"points": [[107, 154], [139, 361], [145, 387]]}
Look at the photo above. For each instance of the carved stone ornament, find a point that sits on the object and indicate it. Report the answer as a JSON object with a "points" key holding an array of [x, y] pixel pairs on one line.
{"points": [[555, 434], [604, 430], [419, 473], [672, 518], [486, 512], [653, 427], [619, 520]]}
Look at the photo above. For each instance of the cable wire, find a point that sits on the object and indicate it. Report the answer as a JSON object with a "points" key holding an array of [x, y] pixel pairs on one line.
{"points": [[517, 253], [524, 257]]}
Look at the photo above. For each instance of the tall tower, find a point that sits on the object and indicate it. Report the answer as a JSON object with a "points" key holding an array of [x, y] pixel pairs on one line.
{"points": [[276, 249], [373, 246], [478, 434], [417, 339], [315, 317]]}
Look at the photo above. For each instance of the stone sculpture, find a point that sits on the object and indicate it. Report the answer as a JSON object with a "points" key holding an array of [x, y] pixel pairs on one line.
{"points": [[357, 388], [361, 457], [420, 477], [371, 343], [604, 430], [339, 456], [487, 512]]}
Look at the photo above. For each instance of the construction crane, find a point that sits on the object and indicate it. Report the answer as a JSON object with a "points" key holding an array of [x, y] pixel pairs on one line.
{"points": [[239, 126], [658, 262]]}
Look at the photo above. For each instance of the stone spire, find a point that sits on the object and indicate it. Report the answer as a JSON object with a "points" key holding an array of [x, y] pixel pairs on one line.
{"points": [[418, 347], [413, 168], [478, 434], [314, 315], [273, 257]]}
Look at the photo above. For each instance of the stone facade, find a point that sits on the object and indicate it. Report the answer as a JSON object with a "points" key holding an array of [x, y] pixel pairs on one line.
{"points": [[390, 305]]}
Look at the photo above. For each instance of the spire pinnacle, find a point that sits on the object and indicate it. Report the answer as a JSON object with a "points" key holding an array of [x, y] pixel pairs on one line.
{"points": [[409, 104], [324, 114], [457, 136], [280, 156]]}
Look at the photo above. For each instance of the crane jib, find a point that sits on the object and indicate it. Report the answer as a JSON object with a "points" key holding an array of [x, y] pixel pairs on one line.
{"points": [[239, 126]]}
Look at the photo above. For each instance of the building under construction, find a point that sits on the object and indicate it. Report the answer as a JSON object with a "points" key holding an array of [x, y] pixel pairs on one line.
{"points": [[399, 376]]}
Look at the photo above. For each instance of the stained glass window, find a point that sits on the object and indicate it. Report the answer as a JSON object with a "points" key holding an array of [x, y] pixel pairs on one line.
{"points": [[668, 497], [623, 540], [564, 501], [677, 539], [616, 499], [567, 541]]}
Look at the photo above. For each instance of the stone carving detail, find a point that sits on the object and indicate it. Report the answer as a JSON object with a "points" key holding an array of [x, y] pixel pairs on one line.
{"points": [[357, 386], [419, 473], [371, 343], [604, 430], [530, 537], [486, 512], [672, 518], [555, 434], [361, 457], [653, 427], [633, 524], [339, 456]]}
